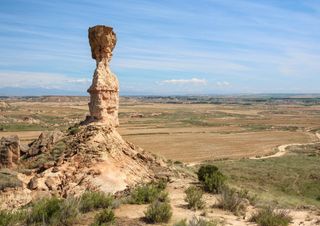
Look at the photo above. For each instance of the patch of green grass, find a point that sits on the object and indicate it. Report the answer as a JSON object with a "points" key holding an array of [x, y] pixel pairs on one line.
{"points": [[290, 180], [256, 127], [270, 217], [309, 149], [11, 218], [15, 127]]}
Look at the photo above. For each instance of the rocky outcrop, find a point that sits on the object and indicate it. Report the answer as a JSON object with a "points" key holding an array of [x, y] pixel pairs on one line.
{"points": [[93, 155], [44, 143], [104, 91], [9, 151]]}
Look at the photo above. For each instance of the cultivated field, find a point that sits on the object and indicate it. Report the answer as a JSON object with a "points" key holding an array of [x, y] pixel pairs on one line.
{"points": [[184, 129]]}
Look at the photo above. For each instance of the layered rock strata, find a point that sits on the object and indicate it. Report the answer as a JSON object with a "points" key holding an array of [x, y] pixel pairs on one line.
{"points": [[104, 91]]}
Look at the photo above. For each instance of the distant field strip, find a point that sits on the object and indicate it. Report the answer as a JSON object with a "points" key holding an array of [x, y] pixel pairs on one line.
{"points": [[191, 147]]}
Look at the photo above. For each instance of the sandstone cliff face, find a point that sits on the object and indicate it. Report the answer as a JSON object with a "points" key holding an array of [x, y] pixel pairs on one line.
{"points": [[104, 91]]}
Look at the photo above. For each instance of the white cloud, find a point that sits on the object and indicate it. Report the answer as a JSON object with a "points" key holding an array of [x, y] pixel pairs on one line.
{"points": [[43, 80], [223, 84], [193, 81]]}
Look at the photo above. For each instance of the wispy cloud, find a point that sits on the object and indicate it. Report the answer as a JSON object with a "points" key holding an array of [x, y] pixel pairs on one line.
{"points": [[192, 81], [223, 84], [253, 45], [41, 80]]}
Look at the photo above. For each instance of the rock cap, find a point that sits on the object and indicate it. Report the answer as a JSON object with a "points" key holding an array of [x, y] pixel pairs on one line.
{"points": [[102, 41]]}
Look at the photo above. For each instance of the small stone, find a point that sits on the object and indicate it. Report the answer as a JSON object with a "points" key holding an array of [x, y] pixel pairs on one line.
{"points": [[55, 170], [33, 183], [50, 183]]}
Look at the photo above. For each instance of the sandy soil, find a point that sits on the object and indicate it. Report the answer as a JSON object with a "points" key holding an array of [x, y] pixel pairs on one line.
{"points": [[180, 210]]}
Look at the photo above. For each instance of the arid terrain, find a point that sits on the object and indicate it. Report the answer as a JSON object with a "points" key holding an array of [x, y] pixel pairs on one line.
{"points": [[182, 129], [268, 146]]}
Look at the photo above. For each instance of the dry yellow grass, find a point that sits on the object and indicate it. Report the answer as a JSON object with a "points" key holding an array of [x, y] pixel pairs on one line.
{"points": [[193, 147], [186, 132]]}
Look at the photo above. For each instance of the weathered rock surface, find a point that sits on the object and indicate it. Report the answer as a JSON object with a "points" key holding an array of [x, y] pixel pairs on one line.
{"points": [[104, 91], [92, 156], [9, 151], [95, 158], [44, 142]]}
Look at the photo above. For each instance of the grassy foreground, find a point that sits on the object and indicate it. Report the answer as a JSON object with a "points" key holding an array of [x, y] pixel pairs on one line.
{"points": [[290, 181]]}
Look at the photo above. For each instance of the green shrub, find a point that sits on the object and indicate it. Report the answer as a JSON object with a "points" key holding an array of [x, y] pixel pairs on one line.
{"points": [[268, 216], [104, 217], [68, 213], [10, 218], [54, 211], [160, 184], [73, 129], [147, 193], [206, 170], [95, 200], [196, 222], [214, 182], [158, 212], [181, 223], [44, 210], [163, 197], [194, 198], [211, 178], [233, 201], [202, 222]]}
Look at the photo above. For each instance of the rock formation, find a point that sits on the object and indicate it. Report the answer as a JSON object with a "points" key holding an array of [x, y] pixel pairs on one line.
{"points": [[44, 143], [9, 151], [89, 156], [104, 91]]}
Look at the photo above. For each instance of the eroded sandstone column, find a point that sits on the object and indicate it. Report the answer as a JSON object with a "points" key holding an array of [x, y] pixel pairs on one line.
{"points": [[104, 91]]}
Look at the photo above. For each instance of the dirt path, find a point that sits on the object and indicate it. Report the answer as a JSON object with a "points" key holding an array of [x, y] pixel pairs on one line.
{"points": [[282, 149]]}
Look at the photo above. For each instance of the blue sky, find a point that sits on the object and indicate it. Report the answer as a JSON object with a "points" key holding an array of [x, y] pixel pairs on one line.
{"points": [[165, 47]]}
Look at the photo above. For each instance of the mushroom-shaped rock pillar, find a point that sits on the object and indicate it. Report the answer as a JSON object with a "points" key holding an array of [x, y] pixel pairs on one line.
{"points": [[104, 90]]}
